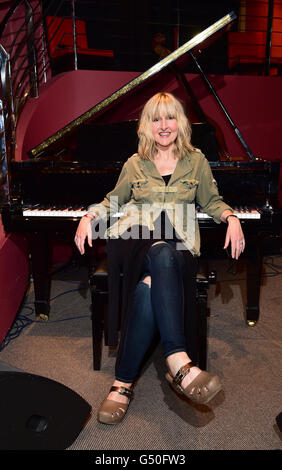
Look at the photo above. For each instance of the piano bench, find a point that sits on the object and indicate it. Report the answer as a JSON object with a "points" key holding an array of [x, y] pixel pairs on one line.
{"points": [[99, 295]]}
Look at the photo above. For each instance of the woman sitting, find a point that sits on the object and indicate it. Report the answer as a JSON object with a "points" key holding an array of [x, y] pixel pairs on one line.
{"points": [[158, 238]]}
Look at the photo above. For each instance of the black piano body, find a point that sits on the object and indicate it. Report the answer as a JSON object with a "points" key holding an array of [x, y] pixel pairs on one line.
{"points": [[251, 188], [51, 191]]}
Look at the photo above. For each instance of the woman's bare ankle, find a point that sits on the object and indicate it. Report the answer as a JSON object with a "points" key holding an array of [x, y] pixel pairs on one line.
{"points": [[115, 396], [176, 360]]}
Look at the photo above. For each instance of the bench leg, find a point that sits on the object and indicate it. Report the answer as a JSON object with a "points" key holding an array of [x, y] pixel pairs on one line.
{"points": [[98, 309], [202, 326]]}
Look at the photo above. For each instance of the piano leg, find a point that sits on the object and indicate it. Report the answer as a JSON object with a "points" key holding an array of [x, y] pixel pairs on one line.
{"points": [[39, 251], [253, 268]]}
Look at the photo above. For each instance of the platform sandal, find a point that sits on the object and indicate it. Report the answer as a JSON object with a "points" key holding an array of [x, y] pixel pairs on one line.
{"points": [[201, 390], [112, 412]]}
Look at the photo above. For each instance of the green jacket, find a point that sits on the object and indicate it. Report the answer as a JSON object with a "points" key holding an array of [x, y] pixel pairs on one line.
{"points": [[141, 194]]}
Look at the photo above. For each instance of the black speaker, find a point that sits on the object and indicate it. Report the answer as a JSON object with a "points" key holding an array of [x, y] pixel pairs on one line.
{"points": [[37, 413], [279, 421]]}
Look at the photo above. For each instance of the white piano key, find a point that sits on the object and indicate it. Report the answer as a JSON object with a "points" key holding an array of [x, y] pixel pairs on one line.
{"points": [[202, 215]]}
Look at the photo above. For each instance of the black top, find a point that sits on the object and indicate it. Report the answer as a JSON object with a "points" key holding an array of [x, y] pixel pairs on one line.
{"points": [[166, 178], [163, 222]]}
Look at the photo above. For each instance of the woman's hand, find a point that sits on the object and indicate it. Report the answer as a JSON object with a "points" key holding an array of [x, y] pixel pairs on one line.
{"points": [[84, 231], [235, 236]]}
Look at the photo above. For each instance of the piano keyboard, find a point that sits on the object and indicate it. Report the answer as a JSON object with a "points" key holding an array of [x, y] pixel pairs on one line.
{"points": [[80, 212], [241, 214], [37, 212]]}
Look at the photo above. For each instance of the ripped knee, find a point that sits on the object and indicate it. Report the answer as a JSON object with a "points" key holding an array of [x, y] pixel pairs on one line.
{"points": [[147, 280]]}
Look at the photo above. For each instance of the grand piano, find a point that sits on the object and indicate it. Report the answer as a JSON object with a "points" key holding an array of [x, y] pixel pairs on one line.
{"points": [[43, 203]]}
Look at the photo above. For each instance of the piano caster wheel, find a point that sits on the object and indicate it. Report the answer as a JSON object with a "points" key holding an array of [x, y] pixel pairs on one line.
{"points": [[43, 317], [251, 323]]}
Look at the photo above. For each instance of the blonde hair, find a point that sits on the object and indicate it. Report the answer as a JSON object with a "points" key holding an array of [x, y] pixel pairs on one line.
{"points": [[167, 104]]}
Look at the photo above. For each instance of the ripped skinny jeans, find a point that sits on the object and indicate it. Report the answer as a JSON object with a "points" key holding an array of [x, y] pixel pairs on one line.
{"points": [[155, 308]]}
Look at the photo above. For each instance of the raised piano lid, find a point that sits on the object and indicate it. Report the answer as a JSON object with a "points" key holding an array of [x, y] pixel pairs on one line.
{"points": [[53, 143]]}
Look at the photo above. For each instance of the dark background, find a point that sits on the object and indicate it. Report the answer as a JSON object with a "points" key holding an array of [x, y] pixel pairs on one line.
{"points": [[128, 26]]}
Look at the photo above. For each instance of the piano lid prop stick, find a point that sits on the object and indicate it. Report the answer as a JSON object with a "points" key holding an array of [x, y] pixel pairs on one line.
{"points": [[236, 130]]}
